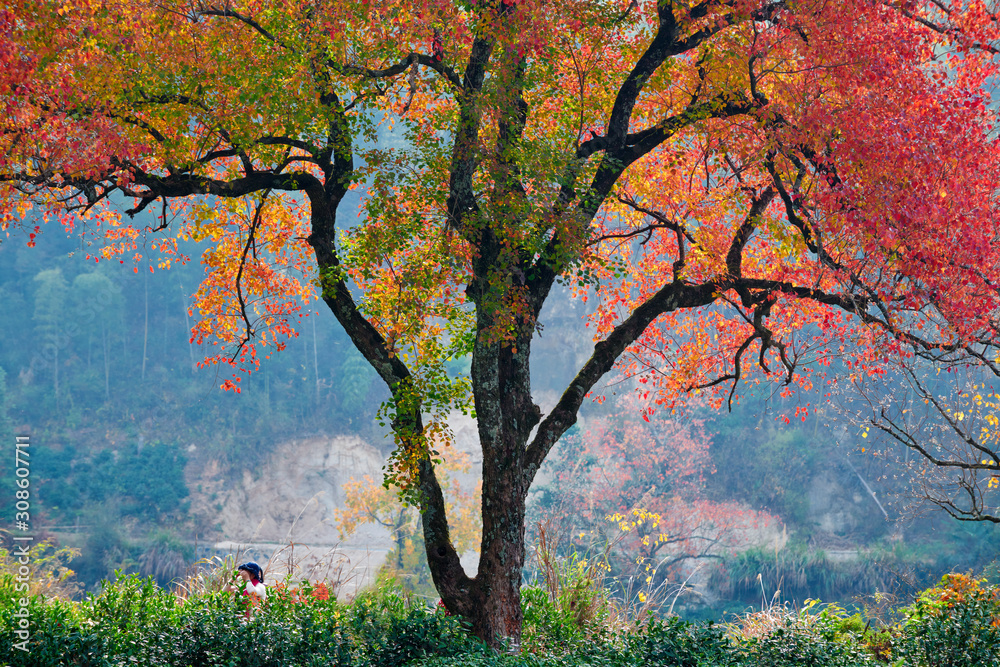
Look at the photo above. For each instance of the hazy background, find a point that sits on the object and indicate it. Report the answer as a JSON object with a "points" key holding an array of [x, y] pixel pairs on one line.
{"points": [[144, 464]]}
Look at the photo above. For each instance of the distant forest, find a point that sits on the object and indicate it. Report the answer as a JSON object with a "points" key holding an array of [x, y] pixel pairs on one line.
{"points": [[96, 365]]}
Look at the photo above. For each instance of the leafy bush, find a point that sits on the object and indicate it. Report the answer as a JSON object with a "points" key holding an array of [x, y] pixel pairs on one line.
{"points": [[676, 642], [568, 603], [804, 644], [954, 624], [551, 624], [126, 611], [48, 571], [820, 635], [390, 630], [60, 635], [133, 621], [878, 641]]}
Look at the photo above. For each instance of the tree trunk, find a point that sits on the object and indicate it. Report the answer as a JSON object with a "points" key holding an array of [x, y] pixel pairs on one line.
{"points": [[505, 414], [497, 617]]}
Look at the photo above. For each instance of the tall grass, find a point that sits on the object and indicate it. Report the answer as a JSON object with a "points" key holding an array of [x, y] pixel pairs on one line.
{"points": [[802, 574]]}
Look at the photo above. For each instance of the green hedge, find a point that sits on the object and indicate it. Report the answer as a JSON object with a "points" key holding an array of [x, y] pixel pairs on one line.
{"points": [[134, 622]]}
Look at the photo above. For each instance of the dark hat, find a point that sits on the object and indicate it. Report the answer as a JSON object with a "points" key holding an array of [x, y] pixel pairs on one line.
{"points": [[253, 569]]}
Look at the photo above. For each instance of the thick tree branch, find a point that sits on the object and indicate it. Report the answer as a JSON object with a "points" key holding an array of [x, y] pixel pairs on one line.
{"points": [[464, 156], [616, 161], [734, 258], [246, 19], [185, 185], [671, 297], [394, 70]]}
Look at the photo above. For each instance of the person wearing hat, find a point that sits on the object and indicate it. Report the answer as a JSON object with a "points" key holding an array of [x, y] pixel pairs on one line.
{"points": [[254, 589]]}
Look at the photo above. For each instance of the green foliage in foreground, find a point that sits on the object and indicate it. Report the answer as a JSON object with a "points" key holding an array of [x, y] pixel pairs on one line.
{"points": [[135, 622]]}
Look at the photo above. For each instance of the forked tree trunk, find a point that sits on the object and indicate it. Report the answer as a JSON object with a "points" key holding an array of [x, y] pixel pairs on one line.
{"points": [[505, 416], [491, 600]]}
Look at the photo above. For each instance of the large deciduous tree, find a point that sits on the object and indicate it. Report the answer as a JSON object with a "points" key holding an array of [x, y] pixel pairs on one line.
{"points": [[751, 189]]}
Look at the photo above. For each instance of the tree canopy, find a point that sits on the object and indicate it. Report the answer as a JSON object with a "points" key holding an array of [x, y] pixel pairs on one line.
{"points": [[751, 190]]}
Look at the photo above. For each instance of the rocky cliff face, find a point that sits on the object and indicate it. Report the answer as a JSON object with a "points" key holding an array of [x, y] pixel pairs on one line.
{"points": [[284, 510], [292, 496]]}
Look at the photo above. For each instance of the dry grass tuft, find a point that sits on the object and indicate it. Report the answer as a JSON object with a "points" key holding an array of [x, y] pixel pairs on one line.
{"points": [[211, 575], [49, 571]]}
